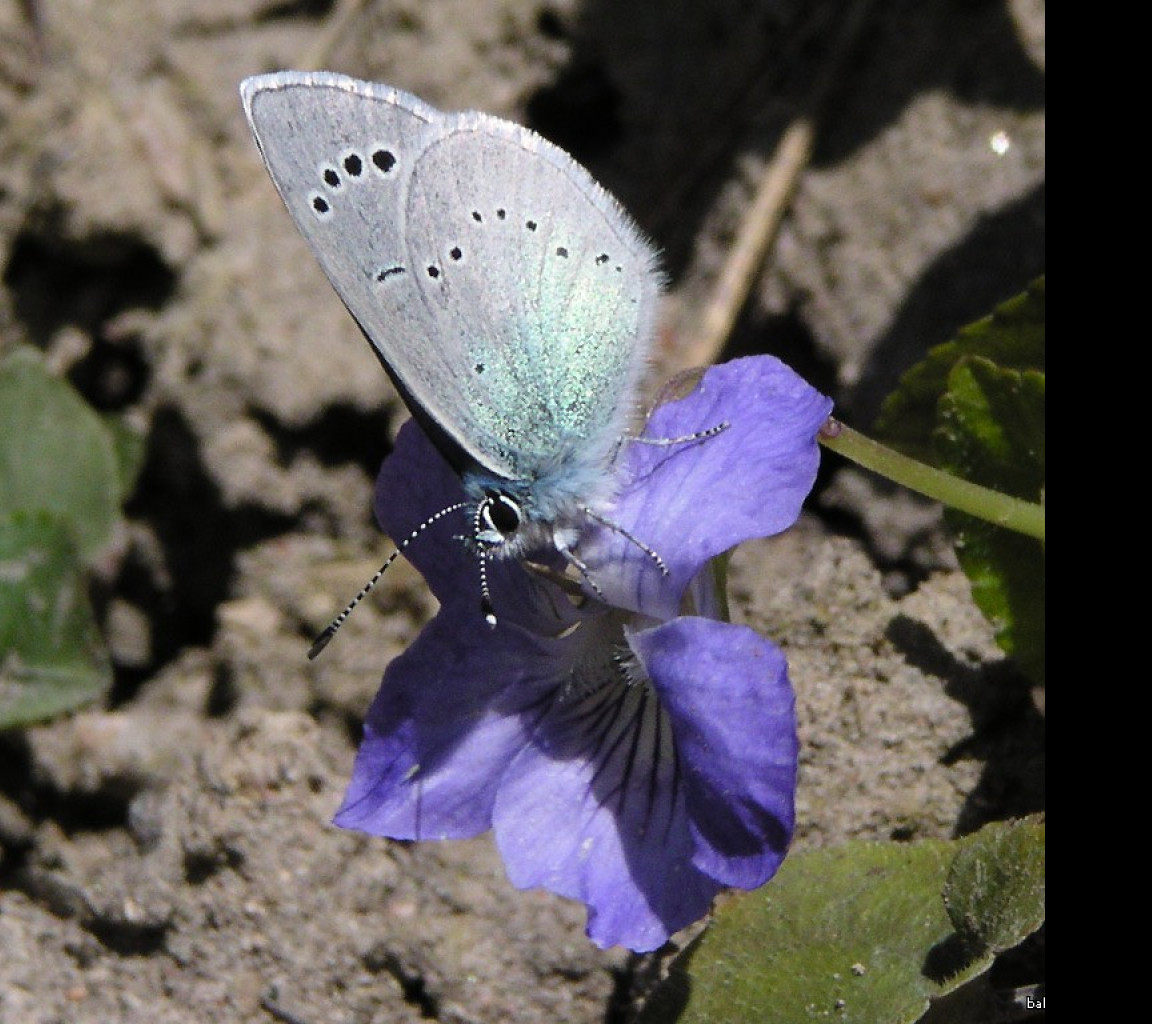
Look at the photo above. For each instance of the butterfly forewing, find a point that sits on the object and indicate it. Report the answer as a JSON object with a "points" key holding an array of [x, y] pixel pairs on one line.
{"points": [[504, 288]]}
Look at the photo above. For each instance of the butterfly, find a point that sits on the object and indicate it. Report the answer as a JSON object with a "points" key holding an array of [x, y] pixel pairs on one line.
{"points": [[509, 297]]}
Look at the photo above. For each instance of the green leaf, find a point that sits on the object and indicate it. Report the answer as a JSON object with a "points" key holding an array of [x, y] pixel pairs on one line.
{"points": [[992, 431], [56, 454], [995, 889], [131, 449], [1012, 338], [975, 407], [52, 658], [860, 934]]}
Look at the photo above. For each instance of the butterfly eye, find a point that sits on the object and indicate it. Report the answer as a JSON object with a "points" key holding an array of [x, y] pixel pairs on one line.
{"points": [[502, 514]]}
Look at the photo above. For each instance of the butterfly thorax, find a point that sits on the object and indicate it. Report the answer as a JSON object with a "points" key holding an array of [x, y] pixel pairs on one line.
{"points": [[546, 516]]}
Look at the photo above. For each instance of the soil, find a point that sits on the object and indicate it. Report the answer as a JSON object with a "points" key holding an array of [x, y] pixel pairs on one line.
{"points": [[167, 856]]}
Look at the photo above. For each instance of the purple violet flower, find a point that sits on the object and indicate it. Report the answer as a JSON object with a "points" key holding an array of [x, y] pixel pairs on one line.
{"points": [[624, 755]]}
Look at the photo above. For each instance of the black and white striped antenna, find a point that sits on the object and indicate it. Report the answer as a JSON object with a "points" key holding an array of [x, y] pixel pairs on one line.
{"points": [[325, 638]]}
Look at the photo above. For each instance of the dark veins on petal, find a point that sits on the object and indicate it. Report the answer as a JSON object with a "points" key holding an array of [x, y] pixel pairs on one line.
{"points": [[622, 714]]}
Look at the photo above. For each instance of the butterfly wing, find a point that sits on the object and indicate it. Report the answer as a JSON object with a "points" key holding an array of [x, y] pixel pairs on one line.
{"points": [[508, 293]]}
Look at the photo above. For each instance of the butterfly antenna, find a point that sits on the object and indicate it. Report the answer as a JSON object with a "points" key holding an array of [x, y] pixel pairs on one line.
{"points": [[700, 435], [617, 528], [487, 609], [325, 638]]}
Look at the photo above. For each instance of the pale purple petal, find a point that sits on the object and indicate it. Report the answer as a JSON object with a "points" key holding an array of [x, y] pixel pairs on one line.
{"points": [[591, 811], [692, 501], [643, 802], [727, 693], [637, 881], [448, 718]]}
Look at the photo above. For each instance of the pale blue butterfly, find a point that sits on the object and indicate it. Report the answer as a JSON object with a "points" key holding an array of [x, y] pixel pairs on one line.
{"points": [[510, 298]]}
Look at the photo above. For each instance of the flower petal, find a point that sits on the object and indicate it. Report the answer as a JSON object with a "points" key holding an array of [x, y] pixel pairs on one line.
{"points": [[415, 482], [727, 694], [692, 501], [448, 718], [588, 812]]}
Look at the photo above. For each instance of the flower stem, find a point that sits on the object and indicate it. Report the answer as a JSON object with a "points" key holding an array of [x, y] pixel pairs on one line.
{"points": [[1002, 509]]}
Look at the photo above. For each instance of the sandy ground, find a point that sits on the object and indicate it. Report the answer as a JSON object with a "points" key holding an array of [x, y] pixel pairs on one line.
{"points": [[167, 857]]}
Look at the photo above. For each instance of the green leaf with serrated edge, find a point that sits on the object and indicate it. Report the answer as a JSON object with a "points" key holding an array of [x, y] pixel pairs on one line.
{"points": [[52, 657], [55, 453], [992, 431], [995, 889], [857, 934], [1012, 338]]}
